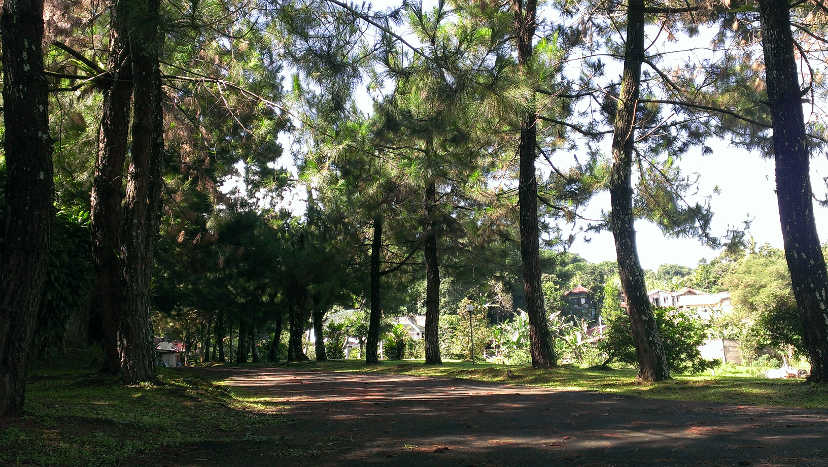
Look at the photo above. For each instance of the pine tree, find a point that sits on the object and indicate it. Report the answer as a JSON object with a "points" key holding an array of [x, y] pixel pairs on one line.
{"points": [[652, 359], [793, 184], [27, 215]]}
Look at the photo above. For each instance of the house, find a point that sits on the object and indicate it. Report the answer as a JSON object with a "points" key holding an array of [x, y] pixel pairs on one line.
{"points": [[579, 304], [702, 303], [170, 354], [414, 324], [705, 305], [664, 298]]}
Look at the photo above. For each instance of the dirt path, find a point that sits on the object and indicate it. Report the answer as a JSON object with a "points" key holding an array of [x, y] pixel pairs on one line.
{"points": [[356, 419]]}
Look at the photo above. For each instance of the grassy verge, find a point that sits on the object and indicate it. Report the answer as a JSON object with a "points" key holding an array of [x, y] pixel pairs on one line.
{"points": [[77, 418], [735, 385]]}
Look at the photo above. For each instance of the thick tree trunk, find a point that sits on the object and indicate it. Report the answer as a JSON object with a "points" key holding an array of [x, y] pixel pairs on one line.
{"points": [[297, 328], [432, 318], [273, 354], [793, 184], [219, 335], [24, 246], [242, 346], [372, 342], [254, 353], [318, 329], [142, 203], [106, 190], [542, 350], [652, 359]]}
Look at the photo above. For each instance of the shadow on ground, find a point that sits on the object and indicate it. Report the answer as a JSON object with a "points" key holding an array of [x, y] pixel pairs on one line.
{"points": [[356, 419]]}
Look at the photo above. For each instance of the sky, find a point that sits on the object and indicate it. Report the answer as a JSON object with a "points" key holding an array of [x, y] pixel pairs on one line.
{"points": [[746, 191]]}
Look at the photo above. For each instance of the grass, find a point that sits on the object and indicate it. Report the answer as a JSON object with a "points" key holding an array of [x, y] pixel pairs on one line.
{"points": [[74, 417], [730, 384]]}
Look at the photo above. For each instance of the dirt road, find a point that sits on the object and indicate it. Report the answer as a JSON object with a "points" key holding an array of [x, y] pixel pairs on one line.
{"points": [[357, 419]]}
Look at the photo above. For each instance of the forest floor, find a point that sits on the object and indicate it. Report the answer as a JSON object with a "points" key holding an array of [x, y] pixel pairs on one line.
{"points": [[405, 413], [350, 418]]}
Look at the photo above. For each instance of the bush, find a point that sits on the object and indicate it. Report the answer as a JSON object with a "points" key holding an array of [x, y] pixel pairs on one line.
{"points": [[335, 335], [511, 340], [395, 343], [682, 334]]}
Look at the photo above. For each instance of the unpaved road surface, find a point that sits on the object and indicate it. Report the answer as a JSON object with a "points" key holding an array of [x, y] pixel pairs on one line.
{"points": [[358, 419]]}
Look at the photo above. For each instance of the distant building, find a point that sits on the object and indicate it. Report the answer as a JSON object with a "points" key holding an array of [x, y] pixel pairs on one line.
{"points": [[169, 353], [579, 304], [414, 324], [703, 304]]}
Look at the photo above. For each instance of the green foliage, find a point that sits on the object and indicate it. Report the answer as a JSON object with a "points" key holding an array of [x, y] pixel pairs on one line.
{"points": [[395, 342], [473, 333], [64, 309], [709, 276], [670, 277], [765, 312], [681, 331], [511, 339], [335, 336]]}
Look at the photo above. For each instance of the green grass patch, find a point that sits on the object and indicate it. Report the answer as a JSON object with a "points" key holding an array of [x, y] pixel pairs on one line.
{"points": [[74, 417], [730, 384]]}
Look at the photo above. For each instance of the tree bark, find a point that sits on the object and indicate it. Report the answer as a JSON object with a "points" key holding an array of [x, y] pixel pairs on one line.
{"points": [[273, 355], [652, 359], [543, 353], [318, 329], [793, 184], [106, 195], [254, 351], [242, 346], [372, 342], [219, 334], [24, 246], [297, 328], [206, 343], [432, 318], [142, 203]]}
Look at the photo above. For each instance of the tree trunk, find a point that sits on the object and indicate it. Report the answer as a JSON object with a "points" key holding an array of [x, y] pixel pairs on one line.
{"points": [[142, 203], [206, 343], [273, 355], [123, 253], [297, 328], [793, 184], [318, 325], [254, 354], [652, 359], [106, 195], [219, 334], [372, 344], [230, 344], [543, 353], [432, 318], [242, 347], [24, 246]]}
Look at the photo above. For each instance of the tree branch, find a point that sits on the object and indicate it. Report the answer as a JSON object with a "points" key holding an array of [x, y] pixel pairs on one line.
{"points": [[79, 56]]}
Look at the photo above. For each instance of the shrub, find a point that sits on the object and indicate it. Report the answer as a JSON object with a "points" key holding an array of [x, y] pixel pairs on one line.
{"points": [[335, 335], [511, 340], [395, 342], [681, 331]]}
